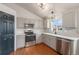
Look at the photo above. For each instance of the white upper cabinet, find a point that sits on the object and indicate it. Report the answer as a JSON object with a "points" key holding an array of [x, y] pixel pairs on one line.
{"points": [[77, 22], [69, 18], [78, 17], [20, 22]]}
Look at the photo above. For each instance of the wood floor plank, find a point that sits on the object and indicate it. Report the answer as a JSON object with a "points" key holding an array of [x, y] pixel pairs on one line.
{"points": [[39, 49]]}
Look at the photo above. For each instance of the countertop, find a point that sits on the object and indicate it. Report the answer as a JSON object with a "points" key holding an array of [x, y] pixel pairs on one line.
{"points": [[72, 34], [67, 36], [71, 37], [20, 33]]}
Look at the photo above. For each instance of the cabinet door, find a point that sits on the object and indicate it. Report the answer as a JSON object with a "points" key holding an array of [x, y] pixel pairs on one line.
{"points": [[46, 40], [53, 42], [66, 47], [63, 46], [58, 44], [20, 42], [50, 41], [78, 20], [20, 22], [69, 19]]}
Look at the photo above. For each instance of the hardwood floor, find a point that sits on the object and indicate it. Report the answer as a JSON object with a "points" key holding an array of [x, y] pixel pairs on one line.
{"points": [[38, 49]]}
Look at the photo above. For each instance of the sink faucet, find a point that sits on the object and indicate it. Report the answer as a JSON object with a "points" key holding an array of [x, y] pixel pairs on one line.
{"points": [[54, 30]]}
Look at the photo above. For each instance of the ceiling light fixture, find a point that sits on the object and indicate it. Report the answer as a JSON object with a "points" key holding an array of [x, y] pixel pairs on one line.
{"points": [[42, 5], [53, 12]]}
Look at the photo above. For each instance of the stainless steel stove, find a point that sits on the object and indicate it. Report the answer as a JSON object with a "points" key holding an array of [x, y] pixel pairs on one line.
{"points": [[30, 38]]}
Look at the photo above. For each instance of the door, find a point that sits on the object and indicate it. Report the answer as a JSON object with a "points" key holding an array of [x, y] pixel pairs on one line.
{"points": [[7, 33], [0, 36], [11, 34], [4, 37]]}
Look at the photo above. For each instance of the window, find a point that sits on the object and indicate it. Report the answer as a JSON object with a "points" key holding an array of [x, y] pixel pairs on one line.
{"points": [[54, 24]]}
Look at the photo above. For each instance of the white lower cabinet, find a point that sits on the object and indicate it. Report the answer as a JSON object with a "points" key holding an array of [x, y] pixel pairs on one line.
{"points": [[53, 42], [20, 41], [50, 41], [61, 45], [46, 39], [66, 47]]}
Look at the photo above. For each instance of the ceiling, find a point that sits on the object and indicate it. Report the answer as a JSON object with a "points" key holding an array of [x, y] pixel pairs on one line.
{"points": [[59, 8]]}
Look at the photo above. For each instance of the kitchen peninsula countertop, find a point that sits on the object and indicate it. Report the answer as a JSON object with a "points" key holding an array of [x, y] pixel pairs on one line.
{"points": [[67, 36], [73, 37]]}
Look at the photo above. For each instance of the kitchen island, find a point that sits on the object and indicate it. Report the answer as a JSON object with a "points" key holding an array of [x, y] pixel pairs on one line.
{"points": [[57, 42]]}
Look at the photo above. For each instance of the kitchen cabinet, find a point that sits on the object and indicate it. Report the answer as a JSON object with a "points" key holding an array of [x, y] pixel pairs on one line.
{"points": [[44, 38], [66, 48], [20, 22], [58, 45], [63, 46], [20, 41], [50, 41], [69, 19], [70, 44], [77, 21]]}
